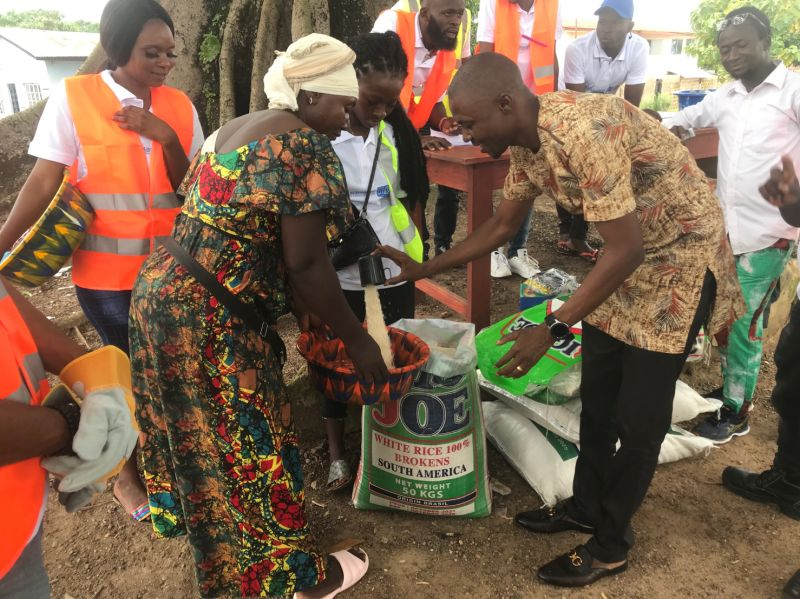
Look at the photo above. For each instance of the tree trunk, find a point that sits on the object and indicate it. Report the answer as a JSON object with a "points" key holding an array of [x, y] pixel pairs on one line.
{"points": [[226, 85]]}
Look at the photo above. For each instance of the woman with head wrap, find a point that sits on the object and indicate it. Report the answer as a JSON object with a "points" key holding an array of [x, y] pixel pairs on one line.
{"points": [[220, 454]]}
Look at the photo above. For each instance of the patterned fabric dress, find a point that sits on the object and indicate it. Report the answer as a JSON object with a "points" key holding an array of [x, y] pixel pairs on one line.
{"points": [[220, 454]]}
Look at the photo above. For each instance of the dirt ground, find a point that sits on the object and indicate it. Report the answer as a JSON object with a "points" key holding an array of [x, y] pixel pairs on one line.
{"points": [[694, 539]]}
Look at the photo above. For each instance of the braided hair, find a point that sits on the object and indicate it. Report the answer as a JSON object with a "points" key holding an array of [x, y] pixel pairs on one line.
{"points": [[383, 53]]}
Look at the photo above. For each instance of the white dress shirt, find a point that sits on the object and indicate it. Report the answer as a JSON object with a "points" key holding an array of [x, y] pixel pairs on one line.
{"points": [[486, 27], [56, 137], [586, 62], [356, 155], [423, 59], [755, 130]]}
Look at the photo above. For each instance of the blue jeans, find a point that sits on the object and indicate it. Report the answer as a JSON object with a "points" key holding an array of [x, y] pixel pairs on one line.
{"points": [[108, 313], [520, 240]]}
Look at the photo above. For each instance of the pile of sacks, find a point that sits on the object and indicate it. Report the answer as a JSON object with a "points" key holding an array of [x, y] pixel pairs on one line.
{"points": [[539, 435]]}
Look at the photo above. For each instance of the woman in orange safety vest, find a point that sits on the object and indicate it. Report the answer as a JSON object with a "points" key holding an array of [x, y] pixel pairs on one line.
{"points": [[126, 140]]}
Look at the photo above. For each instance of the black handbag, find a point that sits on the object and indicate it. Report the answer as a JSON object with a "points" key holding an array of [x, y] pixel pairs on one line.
{"points": [[358, 238]]}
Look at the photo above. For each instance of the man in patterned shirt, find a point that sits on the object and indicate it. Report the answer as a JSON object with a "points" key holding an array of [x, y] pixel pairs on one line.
{"points": [[667, 269]]}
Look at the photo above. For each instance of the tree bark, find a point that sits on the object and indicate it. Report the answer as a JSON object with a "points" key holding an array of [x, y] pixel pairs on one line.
{"points": [[247, 53]]}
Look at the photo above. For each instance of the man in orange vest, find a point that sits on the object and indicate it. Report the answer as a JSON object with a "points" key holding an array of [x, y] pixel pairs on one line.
{"points": [[430, 40], [91, 436], [525, 31]]}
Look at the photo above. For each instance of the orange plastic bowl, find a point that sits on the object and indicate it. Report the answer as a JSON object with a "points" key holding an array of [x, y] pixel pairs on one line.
{"points": [[332, 371]]}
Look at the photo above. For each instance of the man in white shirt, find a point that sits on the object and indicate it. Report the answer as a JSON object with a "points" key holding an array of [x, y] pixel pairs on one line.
{"points": [[517, 260], [610, 56], [437, 26], [780, 484], [600, 63], [758, 117]]}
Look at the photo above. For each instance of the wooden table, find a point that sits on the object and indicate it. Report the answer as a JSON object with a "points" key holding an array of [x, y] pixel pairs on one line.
{"points": [[467, 169]]}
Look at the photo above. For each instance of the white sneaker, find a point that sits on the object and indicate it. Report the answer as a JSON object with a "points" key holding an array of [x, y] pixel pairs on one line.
{"points": [[500, 267], [523, 265]]}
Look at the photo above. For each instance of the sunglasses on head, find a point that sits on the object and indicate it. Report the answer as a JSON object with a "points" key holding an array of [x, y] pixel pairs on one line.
{"points": [[739, 20]]}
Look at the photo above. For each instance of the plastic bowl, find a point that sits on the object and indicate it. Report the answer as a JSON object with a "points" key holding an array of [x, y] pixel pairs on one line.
{"points": [[333, 373]]}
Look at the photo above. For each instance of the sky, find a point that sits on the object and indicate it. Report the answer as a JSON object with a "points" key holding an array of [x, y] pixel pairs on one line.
{"points": [[646, 11]]}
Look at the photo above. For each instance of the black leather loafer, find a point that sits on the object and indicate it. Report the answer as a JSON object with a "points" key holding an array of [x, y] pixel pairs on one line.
{"points": [[792, 588], [551, 519], [574, 569]]}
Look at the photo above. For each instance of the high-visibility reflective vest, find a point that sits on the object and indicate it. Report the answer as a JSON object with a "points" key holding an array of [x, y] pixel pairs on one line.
{"points": [[419, 108], [23, 485], [401, 221], [133, 203], [464, 30], [507, 39]]}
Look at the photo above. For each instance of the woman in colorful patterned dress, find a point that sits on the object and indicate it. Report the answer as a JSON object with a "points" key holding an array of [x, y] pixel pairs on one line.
{"points": [[221, 458]]}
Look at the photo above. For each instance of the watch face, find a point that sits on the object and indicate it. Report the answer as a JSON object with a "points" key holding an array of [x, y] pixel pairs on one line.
{"points": [[559, 330]]}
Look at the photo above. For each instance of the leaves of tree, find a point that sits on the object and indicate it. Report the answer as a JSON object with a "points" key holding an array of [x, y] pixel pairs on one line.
{"points": [[50, 20], [784, 17]]}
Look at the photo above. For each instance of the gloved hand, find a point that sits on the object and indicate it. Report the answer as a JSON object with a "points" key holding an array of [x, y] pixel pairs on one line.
{"points": [[74, 501], [105, 437], [107, 433]]}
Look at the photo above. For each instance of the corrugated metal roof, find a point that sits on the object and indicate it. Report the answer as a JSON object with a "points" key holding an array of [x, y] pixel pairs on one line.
{"points": [[51, 44]]}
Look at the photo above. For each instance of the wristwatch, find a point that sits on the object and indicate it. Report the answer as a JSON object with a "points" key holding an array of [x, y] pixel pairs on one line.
{"points": [[559, 331]]}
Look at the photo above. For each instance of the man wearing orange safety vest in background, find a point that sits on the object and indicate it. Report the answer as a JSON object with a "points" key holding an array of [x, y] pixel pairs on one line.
{"points": [[436, 38], [525, 31], [92, 436]]}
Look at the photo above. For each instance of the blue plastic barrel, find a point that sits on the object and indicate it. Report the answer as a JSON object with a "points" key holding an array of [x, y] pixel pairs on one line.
{"points": [[690, 96]]}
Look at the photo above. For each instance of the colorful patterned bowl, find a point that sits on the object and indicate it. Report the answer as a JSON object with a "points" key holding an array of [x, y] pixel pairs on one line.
{"points": [[50, 242], [332, 371]]}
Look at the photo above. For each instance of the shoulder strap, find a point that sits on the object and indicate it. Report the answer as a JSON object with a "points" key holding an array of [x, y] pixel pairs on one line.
{"points": [[378, 144], [239, 309]]}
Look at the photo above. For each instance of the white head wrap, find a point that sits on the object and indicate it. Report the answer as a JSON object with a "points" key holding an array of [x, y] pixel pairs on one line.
{"points": [[315, 63]]}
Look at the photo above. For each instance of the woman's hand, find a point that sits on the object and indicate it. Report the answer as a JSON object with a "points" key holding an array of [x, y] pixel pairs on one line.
{"points": [[782, 189], [145, 123], [410, 270], [449, 126], [531, 344], [367, 359], [430, 142]]}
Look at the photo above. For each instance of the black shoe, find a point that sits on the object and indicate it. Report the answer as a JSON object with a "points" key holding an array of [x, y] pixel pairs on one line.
{"points": [[770, 486], [574, 569], [792, 588], [723, 426], [440, 249], [551, 519]]}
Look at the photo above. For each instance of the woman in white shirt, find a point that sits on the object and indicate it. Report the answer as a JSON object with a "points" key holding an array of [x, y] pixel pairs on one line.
{"points": [[106, 129], [377, 122]]}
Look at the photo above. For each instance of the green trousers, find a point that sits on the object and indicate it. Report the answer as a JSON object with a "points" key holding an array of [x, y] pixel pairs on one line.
{"points": [[758, 274]]}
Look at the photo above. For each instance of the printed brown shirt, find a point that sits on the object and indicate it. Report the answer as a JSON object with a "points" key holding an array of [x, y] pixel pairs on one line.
{"points": [[603, 157]]}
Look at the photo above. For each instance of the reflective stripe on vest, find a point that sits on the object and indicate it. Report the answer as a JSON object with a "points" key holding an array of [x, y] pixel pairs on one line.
{"points": [[22, 484], [401, 221], [507, 38], [134, 202], [419, 109]]}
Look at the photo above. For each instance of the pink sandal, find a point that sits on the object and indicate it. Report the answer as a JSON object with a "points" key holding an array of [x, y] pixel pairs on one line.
{"points": [[353, 570]]}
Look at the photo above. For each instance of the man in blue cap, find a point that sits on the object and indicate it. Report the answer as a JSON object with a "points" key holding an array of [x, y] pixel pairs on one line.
{"points": [[600, 62]]}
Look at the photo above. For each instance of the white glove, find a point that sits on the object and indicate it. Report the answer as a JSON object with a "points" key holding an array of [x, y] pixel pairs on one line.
{"points": [[106, 435]]}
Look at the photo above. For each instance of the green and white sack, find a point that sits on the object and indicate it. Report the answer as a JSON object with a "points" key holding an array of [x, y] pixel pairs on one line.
{"points": [[427, 452]]}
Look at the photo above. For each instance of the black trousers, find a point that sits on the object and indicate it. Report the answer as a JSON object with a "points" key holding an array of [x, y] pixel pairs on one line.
{"points": [[397, 302], [570, 224], [786, 396], [627, 394], [445, 216]]}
